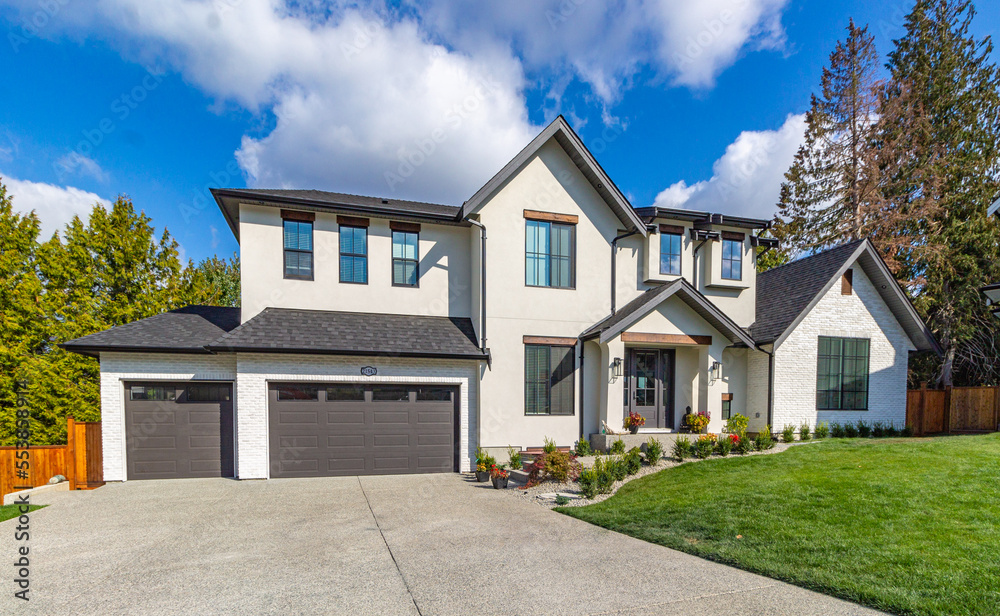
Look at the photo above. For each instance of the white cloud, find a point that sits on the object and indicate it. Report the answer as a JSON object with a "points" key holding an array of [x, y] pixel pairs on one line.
{"points": [[746, 180], [75, 163], [54, 205]]}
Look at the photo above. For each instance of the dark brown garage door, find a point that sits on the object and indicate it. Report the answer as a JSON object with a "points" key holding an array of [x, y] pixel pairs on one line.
{"points": [[179, 430], [330, 430]]}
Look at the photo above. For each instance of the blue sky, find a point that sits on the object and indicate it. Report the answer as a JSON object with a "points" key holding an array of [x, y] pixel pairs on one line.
{"points": [[689, 105]]}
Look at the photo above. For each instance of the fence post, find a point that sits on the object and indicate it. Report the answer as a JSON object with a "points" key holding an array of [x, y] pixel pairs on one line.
{"points": [[918, 430], [996, 408], [947, 409], [71, 451]]}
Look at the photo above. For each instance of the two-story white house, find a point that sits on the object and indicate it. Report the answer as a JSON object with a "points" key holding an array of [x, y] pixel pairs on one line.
{"points": [[387, 336]]}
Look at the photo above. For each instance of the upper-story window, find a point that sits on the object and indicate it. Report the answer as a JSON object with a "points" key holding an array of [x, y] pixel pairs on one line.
{"points": [[732, 256], [353, 249], [405, 254], [298, 244], [671, 242], [550, 250]]}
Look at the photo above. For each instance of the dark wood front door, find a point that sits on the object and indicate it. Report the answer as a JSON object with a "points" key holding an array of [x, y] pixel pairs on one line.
{"points": [[651, 386]]}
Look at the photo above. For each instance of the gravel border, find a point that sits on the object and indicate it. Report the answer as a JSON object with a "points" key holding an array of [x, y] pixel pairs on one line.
{"points": [[541, 494]]}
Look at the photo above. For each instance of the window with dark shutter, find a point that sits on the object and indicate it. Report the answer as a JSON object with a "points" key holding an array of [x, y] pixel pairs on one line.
{"points": [[548, 380], [842, 374]]}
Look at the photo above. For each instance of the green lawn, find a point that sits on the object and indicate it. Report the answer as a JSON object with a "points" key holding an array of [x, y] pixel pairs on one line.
{"points": [[910, 526], [11, 511]]}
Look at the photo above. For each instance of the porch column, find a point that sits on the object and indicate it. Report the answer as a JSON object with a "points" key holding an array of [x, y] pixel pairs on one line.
{"points": [[611, 387]]}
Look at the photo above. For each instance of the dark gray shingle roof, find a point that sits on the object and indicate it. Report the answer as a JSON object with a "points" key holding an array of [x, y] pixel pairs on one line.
{"points": [[284, 330], [189, 329], [785, 291]]}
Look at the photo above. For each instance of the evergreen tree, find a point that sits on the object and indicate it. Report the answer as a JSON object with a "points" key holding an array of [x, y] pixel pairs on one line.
{"points": [[940, 163], [826, 192], [216, 282]]}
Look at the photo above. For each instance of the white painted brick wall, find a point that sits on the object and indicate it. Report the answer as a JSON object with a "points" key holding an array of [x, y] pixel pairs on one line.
{"points": [[255, 370], [860, 315], [119, 367]]}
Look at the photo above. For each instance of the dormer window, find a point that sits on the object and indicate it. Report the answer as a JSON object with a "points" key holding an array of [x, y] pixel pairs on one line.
{"points": [[732, 256], [671, 242]]}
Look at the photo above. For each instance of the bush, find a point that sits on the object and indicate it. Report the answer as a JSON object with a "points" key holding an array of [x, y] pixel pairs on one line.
{"points": [[821, 431], [878, 429], [891, 430], [558, 465], [907, 431], [744, 445], [788, 433], [704, 446], [514, 461], [804, 432], [633, 461], [837, 431], [549, 446], [654, 451], [562, 499], [763, 440], [864, 430], [618, 447], [583, 447], [850, 431], [682, 448], [484, 461], [588, 482], [616, 466], [723, 444], [737, 424]]}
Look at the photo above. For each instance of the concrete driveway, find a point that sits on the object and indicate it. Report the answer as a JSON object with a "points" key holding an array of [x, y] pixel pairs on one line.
{"points": [[420, 545]]}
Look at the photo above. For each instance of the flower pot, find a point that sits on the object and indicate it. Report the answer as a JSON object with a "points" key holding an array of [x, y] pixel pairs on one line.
{"points": [[482, 476], [500, 483], [633, 429]]}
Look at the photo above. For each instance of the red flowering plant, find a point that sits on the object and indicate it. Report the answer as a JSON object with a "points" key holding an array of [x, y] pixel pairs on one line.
{"points": [[634, 420], [498, 472], [734, 438]]}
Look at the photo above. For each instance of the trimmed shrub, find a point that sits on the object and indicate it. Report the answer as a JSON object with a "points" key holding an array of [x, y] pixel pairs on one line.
{"points": [[682, 448], [603, 480], [549, 446], [891, 430], [837, 431], [737, 424], [864, 430], [514, 461], [763, 440], [804, 432], [850, 431], [723, 445], [633, 461], [788, 433], [558, 465], [704, 446], [821, 431], [654, 451], [878, 429], [588, 482], [618, 447], [744, 445], [562, 500], [583, 447], [617, 468]]}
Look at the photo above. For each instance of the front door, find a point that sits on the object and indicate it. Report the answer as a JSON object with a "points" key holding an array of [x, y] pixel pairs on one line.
{"points": [[651, 386]]}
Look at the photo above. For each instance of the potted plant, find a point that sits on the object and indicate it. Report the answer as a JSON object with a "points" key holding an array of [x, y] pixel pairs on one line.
{"points": [[484, 462], [697, 422], [634, 421], [499, 475]]}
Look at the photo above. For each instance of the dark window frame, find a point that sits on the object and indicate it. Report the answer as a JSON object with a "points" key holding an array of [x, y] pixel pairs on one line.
{"points": [[543, 384], [285, 222], [735, 259], [727, 406], [679, 254], [824, 396], [313, 392], [550, 257], [352, 255], [415, 261]]}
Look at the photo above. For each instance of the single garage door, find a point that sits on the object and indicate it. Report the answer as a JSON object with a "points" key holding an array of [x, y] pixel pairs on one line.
{"points": [[179, 430], [330, 430]]}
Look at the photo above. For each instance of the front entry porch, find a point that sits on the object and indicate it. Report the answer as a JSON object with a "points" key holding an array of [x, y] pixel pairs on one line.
{"points": [[649, 386]]}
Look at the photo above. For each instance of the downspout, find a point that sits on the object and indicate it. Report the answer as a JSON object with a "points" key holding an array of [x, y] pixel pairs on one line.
{"points": [[614, 265], [770, 385], [482, 285], [694, 258], [580, 368]]}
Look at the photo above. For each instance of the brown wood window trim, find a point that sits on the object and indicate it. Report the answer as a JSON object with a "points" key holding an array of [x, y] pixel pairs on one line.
{"points": [[568, 219], [683, 339], [672, 229], [727, 397], [298, 216], [405, 227], [732, 235], [847, 283], [352, 221], [549, 341]]}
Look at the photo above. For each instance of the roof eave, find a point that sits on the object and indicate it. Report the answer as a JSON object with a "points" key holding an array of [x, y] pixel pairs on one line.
{"points": [[478, 356], [94, 350]]}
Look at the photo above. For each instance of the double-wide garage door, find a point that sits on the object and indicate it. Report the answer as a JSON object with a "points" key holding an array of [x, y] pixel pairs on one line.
{"points": [[175, 430], [322, 430]]}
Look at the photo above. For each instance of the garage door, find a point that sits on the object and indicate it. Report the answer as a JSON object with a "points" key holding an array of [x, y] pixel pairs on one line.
{"points": [[179, 430], [329, 430]]}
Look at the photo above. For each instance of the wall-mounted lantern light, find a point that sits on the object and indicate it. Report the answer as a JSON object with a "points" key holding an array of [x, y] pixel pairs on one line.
{"points": [[716, 370], [616, 368]]}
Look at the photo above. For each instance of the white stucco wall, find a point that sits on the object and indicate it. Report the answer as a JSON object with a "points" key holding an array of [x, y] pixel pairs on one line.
{"points": [[757, 385], [119, 367], [445, 283], [255, 370], [862, 314]]}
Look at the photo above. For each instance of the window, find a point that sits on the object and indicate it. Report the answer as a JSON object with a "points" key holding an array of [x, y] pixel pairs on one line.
{"points": [[298, 249], [404, 259], [345, 393], [732, 259], [354, 254], [548, 380], [670, 253], [727, 406], [207, 393], [162, 393], [391, 394], [549, 254], [842, 374], [298, 392], [433, 394]]}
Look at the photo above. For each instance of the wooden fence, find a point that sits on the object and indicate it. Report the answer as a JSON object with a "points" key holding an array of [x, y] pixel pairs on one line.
{"points": [[79, 460], [953, 410]]}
